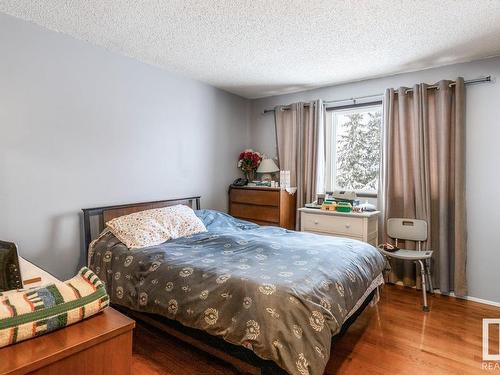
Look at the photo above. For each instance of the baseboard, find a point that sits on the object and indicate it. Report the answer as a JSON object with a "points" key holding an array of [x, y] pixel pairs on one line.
{"points": [[468, 298], [475, 299]]}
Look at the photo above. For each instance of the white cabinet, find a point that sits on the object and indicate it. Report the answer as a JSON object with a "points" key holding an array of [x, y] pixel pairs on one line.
{"points": [[360, 226]]}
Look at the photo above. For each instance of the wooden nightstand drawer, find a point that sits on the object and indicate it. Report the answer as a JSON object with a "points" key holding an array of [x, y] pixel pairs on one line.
{"points": [[255, 197], [350, 226], [267, 214]]}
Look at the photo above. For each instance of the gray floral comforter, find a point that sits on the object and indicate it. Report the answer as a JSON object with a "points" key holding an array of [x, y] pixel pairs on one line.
{"points": [[280, 293]]}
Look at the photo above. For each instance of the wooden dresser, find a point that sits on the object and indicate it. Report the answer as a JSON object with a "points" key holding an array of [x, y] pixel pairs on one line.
{"points": [[98, 345], [262, 205], [359, 226]]}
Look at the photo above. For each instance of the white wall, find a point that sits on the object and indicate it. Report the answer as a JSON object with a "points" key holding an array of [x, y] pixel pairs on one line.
{"points": [[82, 127], [483, 155]]}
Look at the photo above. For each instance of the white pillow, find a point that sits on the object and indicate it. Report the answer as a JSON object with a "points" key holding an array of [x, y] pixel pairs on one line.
{"points": [[153, 227]]}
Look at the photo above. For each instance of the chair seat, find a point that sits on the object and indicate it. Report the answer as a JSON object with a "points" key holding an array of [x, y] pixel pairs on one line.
{"points": [[407, 254]]}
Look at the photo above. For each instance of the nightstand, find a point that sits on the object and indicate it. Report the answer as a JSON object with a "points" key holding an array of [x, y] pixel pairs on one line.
{"points": [[263, 205], [361, 226], [100, 344]]}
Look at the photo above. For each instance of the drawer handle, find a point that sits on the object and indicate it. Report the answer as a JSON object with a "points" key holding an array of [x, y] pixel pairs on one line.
{"points": [[347, 226], [316, 222]]}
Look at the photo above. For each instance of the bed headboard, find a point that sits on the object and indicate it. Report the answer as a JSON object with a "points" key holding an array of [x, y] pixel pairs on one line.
{"points": [[94, 219]]}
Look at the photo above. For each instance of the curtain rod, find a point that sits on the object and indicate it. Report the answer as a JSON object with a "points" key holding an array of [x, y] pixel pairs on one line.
{"points": [[354, 100]]}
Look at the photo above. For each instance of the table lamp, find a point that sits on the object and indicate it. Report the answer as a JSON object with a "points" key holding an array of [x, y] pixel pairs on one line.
{"points": [[267, 167]]}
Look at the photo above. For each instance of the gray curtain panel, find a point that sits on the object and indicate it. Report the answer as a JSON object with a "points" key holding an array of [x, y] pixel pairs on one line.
{"points": [[300, 142], [423, 176]]}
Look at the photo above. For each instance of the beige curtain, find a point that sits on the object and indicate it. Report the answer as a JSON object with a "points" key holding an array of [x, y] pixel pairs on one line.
{"points": [[300, 142], [423, 176]]}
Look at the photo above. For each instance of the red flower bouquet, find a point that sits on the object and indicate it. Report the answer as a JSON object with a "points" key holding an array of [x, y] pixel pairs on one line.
{"points": [[248, 162]]}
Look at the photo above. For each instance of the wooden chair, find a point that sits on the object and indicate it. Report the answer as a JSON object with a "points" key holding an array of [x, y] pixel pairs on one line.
{"points": [[413, 230]]}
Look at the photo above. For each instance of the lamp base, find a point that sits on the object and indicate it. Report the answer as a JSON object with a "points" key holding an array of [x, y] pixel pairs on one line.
{"points": [[268, 177]]}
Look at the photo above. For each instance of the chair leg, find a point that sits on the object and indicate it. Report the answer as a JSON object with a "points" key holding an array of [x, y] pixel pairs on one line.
{"points": [[429, 276], [424, 286]]}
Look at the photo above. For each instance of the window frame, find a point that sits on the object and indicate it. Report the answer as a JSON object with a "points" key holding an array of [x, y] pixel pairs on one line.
{"points": [[362, 194]]}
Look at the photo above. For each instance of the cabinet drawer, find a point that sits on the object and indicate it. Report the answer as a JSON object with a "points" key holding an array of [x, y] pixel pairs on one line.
{"points": [[336, 235], [267, 214], [349, 226], [264, 198]]}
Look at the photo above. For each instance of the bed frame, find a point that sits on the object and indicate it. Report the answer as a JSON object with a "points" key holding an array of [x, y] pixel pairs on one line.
{"points": [[243, 360]]}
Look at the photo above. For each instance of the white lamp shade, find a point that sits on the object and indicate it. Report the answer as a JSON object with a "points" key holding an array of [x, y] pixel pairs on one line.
{"points": [[267, 166]]}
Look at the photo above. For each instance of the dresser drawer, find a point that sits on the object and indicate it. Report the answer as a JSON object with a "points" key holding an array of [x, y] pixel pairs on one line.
{"points": [[256, 197], [349, 226], [259, 214], [335, 235]]}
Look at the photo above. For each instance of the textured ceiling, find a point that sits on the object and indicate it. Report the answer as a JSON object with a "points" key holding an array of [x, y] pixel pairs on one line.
{"points": [[258, 48]]}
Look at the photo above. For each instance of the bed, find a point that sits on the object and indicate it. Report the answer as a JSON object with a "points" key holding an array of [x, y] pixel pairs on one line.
{"points": [[266, 299]]}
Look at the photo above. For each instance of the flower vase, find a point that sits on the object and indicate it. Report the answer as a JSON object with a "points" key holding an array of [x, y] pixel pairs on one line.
{"points": [[249, 176]]}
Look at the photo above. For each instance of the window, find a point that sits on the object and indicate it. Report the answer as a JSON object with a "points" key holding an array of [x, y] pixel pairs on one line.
{"points": [[353, 148]]}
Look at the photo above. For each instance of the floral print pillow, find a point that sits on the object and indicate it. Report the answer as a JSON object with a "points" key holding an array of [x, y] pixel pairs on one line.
{"points": [[153, 227]]}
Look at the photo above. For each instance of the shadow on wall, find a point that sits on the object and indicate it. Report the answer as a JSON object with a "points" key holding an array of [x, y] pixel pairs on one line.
{"points": [[270, 89], [59, 245], [451, 55], [442, 57]]}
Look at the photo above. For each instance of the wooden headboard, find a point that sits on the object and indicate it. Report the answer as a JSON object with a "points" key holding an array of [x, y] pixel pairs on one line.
{"points": [[94, 219]]}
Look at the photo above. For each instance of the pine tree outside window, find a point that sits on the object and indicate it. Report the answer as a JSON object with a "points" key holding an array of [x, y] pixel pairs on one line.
{"points": [[354, 148]]}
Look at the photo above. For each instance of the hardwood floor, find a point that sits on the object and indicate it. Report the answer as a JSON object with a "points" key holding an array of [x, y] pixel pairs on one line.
{"points": [[393, 337]]}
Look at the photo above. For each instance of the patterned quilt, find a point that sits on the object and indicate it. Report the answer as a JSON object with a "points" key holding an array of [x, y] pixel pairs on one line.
{"points": [[32, 312], [280, 293]]}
